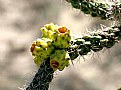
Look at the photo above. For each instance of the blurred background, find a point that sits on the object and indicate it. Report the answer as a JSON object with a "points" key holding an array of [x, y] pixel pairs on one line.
{"points": [[20, 23]]}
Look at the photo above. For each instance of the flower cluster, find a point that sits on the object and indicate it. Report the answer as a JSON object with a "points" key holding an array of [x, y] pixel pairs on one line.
{"points": [[53, 44]]}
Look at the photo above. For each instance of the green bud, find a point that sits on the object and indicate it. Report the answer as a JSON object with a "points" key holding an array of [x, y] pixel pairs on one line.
{"points": [[63, 38], [59, 60], [41, 49], [51, 27]]}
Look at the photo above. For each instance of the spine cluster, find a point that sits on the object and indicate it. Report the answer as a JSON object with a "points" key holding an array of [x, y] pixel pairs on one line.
{"points": [[94, 41], [105, 11]]}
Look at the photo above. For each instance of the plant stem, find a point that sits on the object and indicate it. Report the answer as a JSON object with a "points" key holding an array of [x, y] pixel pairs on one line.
{"points": [[105, 11], [94, 41], [42, 78]]}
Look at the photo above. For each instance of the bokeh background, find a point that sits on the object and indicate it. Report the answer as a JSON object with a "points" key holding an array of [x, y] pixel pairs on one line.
{"points": [[20, 21]]}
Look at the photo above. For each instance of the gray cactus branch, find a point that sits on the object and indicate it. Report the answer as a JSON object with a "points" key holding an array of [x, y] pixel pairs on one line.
{"points": [[42, 78], [95, 41], [106, 11]]}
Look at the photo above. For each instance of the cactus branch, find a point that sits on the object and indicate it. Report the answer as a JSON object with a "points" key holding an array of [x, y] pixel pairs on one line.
{"points": [[95, 41], [42, 78], [106, 11]]}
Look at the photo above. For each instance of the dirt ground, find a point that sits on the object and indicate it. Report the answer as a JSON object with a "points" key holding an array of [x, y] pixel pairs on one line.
{"points": [[20, 21]]}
